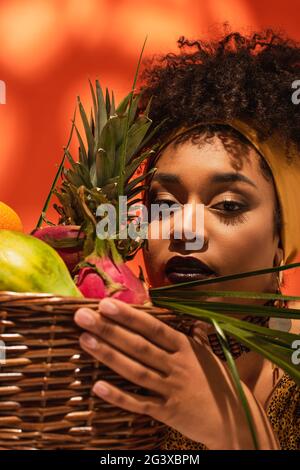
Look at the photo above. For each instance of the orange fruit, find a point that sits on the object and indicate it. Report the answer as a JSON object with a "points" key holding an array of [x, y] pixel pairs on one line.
{"points": [[9, 219]]}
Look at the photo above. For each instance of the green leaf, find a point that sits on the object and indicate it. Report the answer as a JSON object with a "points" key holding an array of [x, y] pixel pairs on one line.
{"points": [[124, 144], [237, 381], [135, 102], [102, 166], [136, 134], [135, 191], [69, 157], [88, 132], [231, 277], [133, 166], [150, 136], [113, 105], [236, 309], [57, 175], [188, 293], [121, 109], [137, 180], [273, 344], [107, 101], [101, 110], [83, 154], [84, 173], [94, 101]]}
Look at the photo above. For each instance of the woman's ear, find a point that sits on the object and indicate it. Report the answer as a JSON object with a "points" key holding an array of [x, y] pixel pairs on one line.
{"points": [[278, 258], [278, 261]]}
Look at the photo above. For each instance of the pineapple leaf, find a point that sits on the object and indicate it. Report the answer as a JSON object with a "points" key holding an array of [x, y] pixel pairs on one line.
{"points": [[136, 135], [73, 177], [94, 101], [58, 174], [113, 105], [102, 166], [121, 109], [135, 191], [88, 132], [150, 136], [137, 180], [82, 153], [134, 164], [84, 173], [135, 102], [69, 157], [107, 102], [101, 111]]}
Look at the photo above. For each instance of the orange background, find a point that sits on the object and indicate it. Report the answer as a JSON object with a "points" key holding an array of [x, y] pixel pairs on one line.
{"points": [[49, 49]]}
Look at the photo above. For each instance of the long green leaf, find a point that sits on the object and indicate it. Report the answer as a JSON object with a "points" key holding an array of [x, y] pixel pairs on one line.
{"points": [[88, 132], [187, 293], [256, 337], [101, 109], [124, 147], [57, 175], [237, 381], [231, 277]]}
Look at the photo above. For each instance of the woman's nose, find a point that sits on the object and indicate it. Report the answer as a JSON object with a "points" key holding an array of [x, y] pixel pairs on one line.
{"points": [[188, 225]]}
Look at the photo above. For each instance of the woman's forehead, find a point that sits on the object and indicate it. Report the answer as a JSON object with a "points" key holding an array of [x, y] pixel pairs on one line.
{"points": [[188, 159]]}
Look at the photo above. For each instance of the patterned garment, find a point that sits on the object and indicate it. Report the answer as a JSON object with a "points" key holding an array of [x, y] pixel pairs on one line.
{"points": [[283, 411]]}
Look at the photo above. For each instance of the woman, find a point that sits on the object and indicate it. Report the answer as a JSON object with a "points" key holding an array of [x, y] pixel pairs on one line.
{"points": [[225, 103]]}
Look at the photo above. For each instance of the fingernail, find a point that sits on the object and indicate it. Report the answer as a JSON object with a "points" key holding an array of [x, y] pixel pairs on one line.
{"points": [[85, 317], [89, 341], [109, 307], [100, 389]]}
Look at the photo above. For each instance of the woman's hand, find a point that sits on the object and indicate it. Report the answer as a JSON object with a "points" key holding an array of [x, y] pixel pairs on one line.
{"points": [[191, 388]]}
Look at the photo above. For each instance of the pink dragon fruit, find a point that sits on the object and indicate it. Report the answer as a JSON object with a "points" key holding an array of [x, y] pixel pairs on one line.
{"points": [[104, 278], [67, 240]]}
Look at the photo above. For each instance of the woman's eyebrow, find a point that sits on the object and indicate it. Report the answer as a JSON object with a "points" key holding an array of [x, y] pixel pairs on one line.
{"points": [[166, 178], [231, 178], [216, 178]]}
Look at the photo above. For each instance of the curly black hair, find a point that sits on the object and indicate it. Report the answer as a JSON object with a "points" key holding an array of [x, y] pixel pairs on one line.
{"points": [[235, 76]]}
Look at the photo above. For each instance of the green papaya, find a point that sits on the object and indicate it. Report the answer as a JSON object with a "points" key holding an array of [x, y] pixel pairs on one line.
{"points": [[28, 264]]}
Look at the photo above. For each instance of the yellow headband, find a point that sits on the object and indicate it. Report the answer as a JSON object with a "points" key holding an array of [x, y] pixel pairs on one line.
{"points": [[286, 174]]}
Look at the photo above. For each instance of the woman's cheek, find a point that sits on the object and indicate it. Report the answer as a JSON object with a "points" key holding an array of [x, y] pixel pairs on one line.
{"points": [[154, 259]]}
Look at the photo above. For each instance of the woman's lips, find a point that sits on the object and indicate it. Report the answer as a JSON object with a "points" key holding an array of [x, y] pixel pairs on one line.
{"points": [[187, 268], [176, 277]]}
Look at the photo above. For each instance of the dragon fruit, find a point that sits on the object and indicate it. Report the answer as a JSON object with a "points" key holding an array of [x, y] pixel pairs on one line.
{"points": [[107, 279], [67, 240]]}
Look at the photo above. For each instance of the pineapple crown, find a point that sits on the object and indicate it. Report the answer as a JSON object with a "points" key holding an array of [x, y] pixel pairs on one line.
{"points": [[112, 150]]}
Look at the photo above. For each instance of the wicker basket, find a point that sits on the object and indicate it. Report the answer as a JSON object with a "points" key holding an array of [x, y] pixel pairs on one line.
{"points": [[45, 382]]}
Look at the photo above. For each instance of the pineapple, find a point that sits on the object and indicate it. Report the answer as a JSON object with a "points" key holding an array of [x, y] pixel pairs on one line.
{"points": [[110, 154], [104, 171]]}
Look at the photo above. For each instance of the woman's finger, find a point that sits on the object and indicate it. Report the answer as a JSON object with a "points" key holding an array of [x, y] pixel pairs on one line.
{"points": [[130, 343], [123, 365], [152, 406], [141, 322]]}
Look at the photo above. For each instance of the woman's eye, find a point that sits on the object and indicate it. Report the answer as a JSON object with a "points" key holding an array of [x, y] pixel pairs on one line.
{"points": [[231, 206], [232, 212]]}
